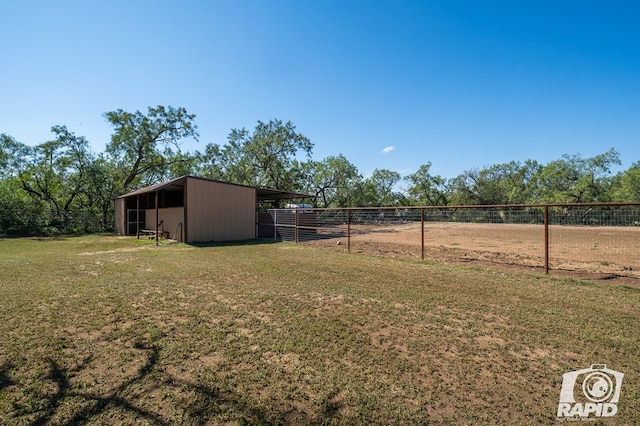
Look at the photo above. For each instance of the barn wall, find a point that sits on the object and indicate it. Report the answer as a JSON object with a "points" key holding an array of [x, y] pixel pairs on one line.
{"points": [[120, 216], [171, 217], [220, 212]]}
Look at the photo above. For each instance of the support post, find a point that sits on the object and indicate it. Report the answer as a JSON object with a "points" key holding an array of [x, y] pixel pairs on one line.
{"points": [[137, 216], [422, 232], [546, 239], [184, 227], [348, 229], [296, 226], [157, 217]]}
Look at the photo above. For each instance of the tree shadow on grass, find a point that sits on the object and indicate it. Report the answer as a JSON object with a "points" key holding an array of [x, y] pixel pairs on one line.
{"points": [[210, 402], [96, 404], [5, 379], [204, 403]]}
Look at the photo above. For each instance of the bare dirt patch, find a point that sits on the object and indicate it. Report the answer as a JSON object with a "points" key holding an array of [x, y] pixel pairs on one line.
{"points": [[118, 250], [577, 251], [282, 334]]}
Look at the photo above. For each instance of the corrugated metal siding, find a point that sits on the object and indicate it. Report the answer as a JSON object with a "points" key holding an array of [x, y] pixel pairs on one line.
{"points": [[120, 216], [220, 212]]}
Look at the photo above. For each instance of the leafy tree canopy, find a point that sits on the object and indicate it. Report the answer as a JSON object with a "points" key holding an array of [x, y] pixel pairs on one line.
{"points": [[61, 175], [265, 157], [147, 145]]}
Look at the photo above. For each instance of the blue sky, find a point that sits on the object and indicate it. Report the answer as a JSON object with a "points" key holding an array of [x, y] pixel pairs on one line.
{"points": [[388, 84]]}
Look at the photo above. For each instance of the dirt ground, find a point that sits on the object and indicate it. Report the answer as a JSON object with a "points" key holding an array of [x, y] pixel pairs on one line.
{"points": [[581, 252]]}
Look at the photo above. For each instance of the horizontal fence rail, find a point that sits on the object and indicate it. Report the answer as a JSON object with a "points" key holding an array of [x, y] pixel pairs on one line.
{"points": [[591, 238]]}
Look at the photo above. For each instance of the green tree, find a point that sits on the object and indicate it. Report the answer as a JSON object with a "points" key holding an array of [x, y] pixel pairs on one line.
{"points": [[12, 156], [472, 188], [507, 183], [574, 179], [224, 163], [626, 185], [266, 157], [19, 212], [428, 190], [103, 184], [332, 180], [54, 172], [379, 190], [148, 145]]}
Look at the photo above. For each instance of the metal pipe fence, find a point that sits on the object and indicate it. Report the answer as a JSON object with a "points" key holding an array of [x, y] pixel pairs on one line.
{"points": [[593, 238]]}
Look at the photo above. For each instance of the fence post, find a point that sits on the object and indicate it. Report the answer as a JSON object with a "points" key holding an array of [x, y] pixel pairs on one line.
{"points": [[546, 239], [275, 225], [138, 216], [157, 214], [348, 229], [296, 226], [422, 233]]}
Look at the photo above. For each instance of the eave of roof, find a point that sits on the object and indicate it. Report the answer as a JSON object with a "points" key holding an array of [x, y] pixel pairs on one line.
{"points": [[263, 194], [275, 194], [153, 188]]}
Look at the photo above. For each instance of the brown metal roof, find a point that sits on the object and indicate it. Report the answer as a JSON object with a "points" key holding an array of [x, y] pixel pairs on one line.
{"points": [[179, 182], [176, 184]]}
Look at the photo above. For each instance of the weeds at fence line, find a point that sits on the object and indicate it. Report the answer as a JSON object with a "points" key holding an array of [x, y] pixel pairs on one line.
{"points": [[595, 238]]}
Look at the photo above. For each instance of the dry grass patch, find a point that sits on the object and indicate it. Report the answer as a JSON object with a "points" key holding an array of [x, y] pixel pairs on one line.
{"points": [[96, 330]]}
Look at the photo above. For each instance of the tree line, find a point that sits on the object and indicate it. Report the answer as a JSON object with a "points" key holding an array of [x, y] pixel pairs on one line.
{"points": [[43, 187]]}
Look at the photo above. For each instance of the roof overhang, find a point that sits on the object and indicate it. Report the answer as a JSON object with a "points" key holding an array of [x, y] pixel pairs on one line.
{"points": [[177, 184], [266, 194], [170, 185]]}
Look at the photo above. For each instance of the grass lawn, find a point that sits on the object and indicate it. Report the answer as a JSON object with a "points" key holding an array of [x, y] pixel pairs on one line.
{"points": [[110, 330]]}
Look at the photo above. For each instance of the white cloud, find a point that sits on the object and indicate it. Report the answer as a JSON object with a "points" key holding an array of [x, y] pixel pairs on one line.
{"points": [[388, 149]]}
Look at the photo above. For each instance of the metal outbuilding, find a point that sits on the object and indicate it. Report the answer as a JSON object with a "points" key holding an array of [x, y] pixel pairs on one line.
{"points": [[193, 209]]}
